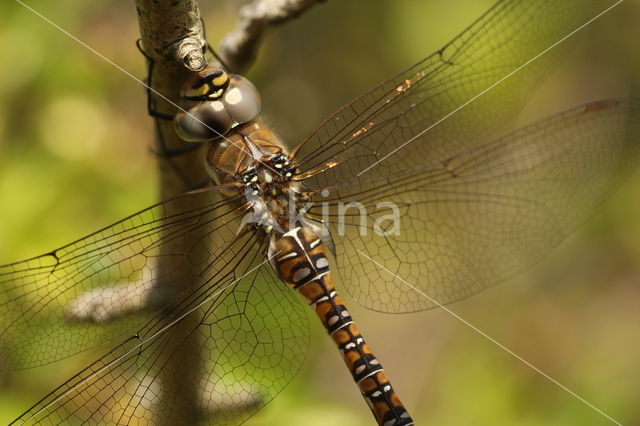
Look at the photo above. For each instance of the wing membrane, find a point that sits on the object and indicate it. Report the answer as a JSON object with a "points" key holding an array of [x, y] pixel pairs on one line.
{"points": [[251, 337], [37, 295], [442, 106], [479, 217]]}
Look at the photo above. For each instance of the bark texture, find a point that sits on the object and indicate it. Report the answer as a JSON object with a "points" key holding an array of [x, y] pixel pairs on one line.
{"points": [[172, 38]]}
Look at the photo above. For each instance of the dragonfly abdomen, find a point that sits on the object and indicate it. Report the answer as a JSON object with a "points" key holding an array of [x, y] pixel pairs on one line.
{"points": [[300, 259]]}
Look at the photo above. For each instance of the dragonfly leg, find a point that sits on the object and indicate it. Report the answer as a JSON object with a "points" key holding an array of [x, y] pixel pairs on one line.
{"points": [[148, 84], [162, 151]]}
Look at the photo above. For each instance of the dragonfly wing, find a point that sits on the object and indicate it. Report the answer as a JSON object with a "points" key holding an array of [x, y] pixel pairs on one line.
{"points": [[475, 219], [450, 101], [379, 147], [251, 335], [40, 297]]}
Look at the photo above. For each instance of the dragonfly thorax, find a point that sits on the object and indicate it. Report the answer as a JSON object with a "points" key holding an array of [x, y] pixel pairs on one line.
{"points": [[251, 152], [253, 160], [273, 197]]}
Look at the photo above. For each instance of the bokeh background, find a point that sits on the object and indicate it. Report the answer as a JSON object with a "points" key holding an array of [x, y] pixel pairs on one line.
{"points": [[75, 156]]}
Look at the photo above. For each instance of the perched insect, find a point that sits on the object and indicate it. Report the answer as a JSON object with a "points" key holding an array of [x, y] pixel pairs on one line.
{"points": [[446, 209]]}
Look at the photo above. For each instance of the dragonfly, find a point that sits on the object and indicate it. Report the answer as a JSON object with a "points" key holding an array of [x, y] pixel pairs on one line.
{"points": [[401, 177]]}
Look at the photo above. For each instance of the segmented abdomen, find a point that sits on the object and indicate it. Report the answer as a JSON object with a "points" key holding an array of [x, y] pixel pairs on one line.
{"points": [[300, 259]]}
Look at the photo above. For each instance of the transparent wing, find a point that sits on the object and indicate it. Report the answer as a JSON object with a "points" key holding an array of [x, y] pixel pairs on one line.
{"points": [[250, 334], [68, 301], [449, 102], [481, 216]]}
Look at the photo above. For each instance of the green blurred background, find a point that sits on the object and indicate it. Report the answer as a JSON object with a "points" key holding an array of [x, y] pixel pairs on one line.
{"points": [[75, 156]]}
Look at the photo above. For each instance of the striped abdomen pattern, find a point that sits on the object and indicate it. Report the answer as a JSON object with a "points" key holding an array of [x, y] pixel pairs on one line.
{"points": [[299, 257]]}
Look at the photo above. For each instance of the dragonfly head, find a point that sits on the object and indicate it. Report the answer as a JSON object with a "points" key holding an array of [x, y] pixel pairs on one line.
{"points": [[213, 103], [207, 85]]}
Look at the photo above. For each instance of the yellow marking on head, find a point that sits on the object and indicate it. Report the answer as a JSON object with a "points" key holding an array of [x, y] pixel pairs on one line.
{"points": [[216, 95], [192, 92], [221, 80]]}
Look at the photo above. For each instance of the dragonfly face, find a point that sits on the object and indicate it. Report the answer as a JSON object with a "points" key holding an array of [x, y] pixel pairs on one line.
{"points": [[213, 103], [207, 85]]}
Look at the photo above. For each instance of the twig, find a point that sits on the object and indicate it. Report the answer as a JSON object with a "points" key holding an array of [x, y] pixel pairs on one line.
{"points": [[173, 39], [239, 47], [104, 304]]}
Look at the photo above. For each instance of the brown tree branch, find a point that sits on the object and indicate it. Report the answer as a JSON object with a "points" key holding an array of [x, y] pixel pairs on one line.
{"points": [[106, 303], [173, 40], [239, 48]]}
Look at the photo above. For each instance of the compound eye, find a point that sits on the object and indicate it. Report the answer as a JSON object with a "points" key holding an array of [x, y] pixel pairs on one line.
{"points": [[242, 100], [203, 122]]}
